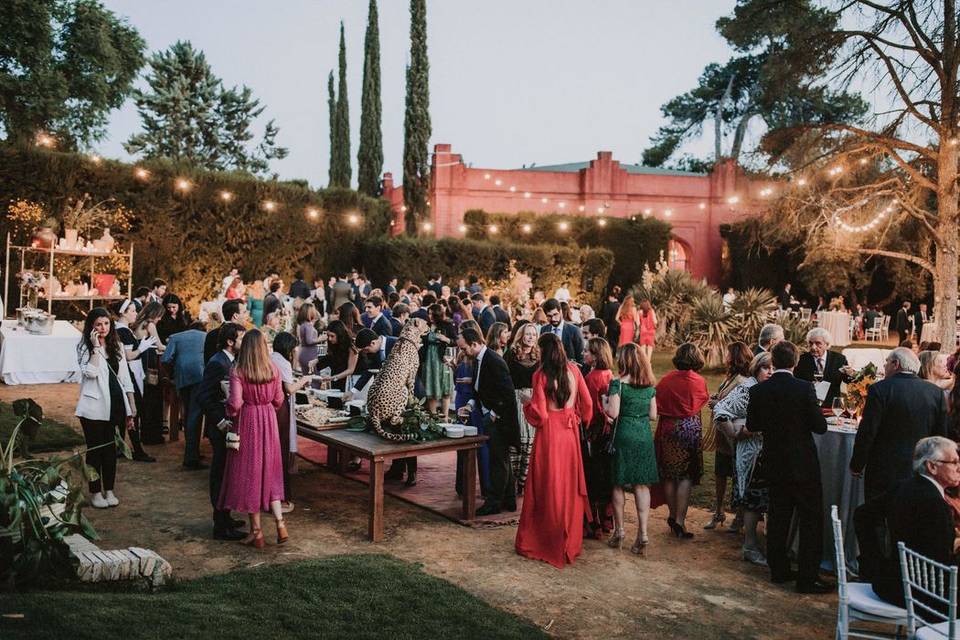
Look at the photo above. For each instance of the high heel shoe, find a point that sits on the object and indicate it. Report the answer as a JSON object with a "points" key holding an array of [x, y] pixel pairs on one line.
{"points": [[639, 547], [681, 532], [255, 539], [282, 535], [616, 540], [674, 527], [717, 520]]}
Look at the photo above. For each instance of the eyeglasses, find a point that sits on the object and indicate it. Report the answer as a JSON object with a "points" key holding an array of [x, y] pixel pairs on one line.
{"points": [[950, 462]]}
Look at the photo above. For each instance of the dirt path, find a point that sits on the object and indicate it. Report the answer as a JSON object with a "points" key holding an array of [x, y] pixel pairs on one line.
{"points": [[681, 589]]}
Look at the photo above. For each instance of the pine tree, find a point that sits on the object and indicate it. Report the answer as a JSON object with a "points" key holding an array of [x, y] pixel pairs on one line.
{"points": [[332, 109], [190, 117], [344, 172], [370, 153], [416, 121]]}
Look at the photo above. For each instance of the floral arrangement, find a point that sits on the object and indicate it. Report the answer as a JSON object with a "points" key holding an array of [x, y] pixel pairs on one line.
{"points": [[24, 216], [417, 421], [30, 284], [856, 395]]}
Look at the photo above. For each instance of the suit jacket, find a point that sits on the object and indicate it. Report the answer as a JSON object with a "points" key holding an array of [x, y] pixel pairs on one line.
{"points": [[784, 299], [185, 351], [900, 410], [495, 392], [572, 340], [785, 410], [918, 516], [299, 289], [421, 313], [209, 394], [501, 315], [210, 344], [918, 321], [833, 362], [373, 361], [382, 326], [342, 292], [271, 304], [485, 319], [757, 349], [904, 322], [396, 326]]}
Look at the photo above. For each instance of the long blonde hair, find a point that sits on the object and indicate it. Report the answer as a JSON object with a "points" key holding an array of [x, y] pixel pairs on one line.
{"points": [[517, 346], [628, 310], [253, 361]]}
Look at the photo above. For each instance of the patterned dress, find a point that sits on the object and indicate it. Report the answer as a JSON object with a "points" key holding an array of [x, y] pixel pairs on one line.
{"points": [[634, 458], [253, 477], [680, 397], [750, 490]]}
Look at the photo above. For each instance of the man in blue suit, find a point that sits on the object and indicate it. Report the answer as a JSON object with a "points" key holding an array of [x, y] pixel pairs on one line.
{"points": [[374, 350], [482, 312], [185, 352], [210, 400], [569, 334], [379, 323]]}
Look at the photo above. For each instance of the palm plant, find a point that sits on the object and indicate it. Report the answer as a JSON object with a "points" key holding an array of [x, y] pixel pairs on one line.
{"points": [[710, 327], [752, 309], [794, 328], [671, 292]]}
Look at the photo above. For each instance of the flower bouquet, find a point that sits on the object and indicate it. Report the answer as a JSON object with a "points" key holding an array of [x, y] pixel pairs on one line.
{"points": [[855, 396]]}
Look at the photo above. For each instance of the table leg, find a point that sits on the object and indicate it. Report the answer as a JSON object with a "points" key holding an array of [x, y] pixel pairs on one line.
{"points": [[375, 532], [332, 454], [470, 485]]}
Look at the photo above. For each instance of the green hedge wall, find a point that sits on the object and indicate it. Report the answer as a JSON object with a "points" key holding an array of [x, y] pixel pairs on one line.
{"points": [[548, 265], [191, 239], [633, 242]]}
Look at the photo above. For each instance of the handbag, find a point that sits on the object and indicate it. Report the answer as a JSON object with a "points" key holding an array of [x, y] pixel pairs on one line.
{"points": [[609, 448], [232, 439]]}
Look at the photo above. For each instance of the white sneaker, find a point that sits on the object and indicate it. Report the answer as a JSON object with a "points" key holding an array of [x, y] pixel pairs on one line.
{"points": [[112, 499], [98, 501]]}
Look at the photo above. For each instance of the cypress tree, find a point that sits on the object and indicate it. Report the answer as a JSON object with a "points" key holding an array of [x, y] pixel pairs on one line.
{"points": [[344, 170], [370, 153], [416, 121], [332, 108]]}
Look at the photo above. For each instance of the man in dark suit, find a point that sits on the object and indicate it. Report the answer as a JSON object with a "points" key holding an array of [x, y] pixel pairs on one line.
{"points": [[273, 301], [568, 333], [374, 350], [373, 308], [435, 285], [821, 364], [785, 299], [609, 315], [211, 400], [398, 317], [920, 318], [499, 312], [785, 410], [770, 335], [904, 322], [495, 393], [232, 311], [482, 312], [901, 409], [299, 288], [916, 514]]}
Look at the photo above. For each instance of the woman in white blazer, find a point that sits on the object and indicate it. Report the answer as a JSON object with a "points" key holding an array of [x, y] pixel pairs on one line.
{"points": [[106, 401]]}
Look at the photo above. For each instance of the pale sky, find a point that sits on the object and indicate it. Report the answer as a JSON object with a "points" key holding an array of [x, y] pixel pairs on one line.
{"points": [[511, 81]]}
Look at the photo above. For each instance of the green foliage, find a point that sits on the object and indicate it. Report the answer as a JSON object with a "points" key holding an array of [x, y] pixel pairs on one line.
{"points": [[710, 327], [416, 120], [332, 175], [370, 154], [772, 78], [188, 116], [31, 535], [634, 242], [64, 65], [547, 265], [340, 171], [190, 238], [752, 309]]}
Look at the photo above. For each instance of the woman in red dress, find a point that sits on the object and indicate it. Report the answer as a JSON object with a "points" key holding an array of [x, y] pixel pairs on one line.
{"points": [[555, 498], [647, 322], [627, 319]]}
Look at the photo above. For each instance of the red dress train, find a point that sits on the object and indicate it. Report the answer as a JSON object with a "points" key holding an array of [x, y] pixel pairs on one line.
{"points": [[555, 498]]}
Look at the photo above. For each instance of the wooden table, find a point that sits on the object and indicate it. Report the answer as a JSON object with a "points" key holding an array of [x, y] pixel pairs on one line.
{"points": [[378, 451]]}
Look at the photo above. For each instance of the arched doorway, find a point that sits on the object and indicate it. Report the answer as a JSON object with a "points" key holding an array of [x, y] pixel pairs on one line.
{"points": [[678, 254]]}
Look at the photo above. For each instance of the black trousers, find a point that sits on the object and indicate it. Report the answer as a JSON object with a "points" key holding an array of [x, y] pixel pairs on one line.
{"points": [[151, 419], [218, 463], [807, 500], [103, 458], [503, 487]]}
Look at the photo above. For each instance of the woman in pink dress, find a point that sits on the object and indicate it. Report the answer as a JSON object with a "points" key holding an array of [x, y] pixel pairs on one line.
{"points": [[253, 477], [627, 319], [555, 497], [647, 319]]}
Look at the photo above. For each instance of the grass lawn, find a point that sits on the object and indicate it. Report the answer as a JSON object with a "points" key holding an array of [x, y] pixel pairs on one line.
{"points": [[53, 435], [360, 596]]}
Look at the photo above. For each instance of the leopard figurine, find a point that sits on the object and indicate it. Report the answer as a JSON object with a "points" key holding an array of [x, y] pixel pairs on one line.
{"points": [[392, 387]]}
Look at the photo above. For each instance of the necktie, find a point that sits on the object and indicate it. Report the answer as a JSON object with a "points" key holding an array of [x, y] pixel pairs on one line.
{"points": [[556, 331], [820, 366]]}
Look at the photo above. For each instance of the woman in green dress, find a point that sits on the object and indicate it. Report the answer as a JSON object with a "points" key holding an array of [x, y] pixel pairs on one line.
{"points": [[255, 303], [436, 370], [631, 402]]}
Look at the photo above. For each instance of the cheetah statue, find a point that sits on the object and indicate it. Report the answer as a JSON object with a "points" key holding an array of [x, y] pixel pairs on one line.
{"points": [[392, 387]]}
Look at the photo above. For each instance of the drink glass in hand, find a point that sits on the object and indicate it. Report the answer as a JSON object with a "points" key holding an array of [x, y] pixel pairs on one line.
{"points": [[837, 406]]}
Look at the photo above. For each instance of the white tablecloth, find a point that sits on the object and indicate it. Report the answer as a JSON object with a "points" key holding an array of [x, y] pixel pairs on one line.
{"points": [[859, 358], [838, 324], [928, 332], [30, 359]]}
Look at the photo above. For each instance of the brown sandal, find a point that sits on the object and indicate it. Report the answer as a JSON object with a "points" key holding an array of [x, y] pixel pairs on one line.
{"points": [[282, 535]]}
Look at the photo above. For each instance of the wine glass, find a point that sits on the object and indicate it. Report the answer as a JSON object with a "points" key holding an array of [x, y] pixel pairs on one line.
{"points": [[838, 408]]}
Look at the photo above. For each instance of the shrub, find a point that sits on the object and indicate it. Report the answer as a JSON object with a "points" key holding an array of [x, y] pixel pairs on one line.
{"points": [[752, 309], [547, 265], [710, 327], [634, 242]]}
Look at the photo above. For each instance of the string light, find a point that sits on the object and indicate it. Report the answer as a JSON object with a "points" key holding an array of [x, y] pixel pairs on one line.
{"points": [[733, 199], [269, 205], [702, 206], [46, 140], [602, 222], [563, 226], [765, 192], [599, 209], [668, 212], [835, 171], [562, 205], [312, 213], [353, 218], [513, 189], [952, 142], [581, 208], [182, 184], [544, 200], [526, 194], [141, 174], [427, 226], [802, 182], [493, 228], [863, 161], [226, 196], [403, 209], [867, 226], [527, 228], [95, 159], [462, 228], [486, 176], [498, 182], [647, 211]]}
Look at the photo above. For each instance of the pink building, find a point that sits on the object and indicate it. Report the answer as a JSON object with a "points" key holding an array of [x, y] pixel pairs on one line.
{"points": [[695, 204]]}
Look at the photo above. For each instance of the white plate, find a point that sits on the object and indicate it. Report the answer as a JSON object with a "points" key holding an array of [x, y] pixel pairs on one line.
{"points": [[469, 431], [453, 431]]}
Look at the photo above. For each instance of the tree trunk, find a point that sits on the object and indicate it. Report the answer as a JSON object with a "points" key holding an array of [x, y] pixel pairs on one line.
{"points": [[945, 282], [718, 121]]}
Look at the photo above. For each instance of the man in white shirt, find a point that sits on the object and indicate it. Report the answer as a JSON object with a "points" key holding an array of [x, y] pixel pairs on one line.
{"points": [[729, 297], [563, 292]]}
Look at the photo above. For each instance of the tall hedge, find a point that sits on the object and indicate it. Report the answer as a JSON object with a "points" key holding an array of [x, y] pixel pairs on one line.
{"points": [[548, 265], [192, 239], [632, 242]]}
